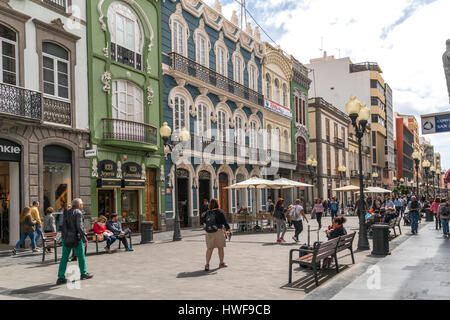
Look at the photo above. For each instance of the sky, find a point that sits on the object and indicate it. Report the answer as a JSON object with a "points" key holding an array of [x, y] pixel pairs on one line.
{"points": [[405, 37]]}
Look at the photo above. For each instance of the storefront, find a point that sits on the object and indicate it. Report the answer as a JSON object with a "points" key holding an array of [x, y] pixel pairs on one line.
{"points": [[10, 159], [133, 183]]}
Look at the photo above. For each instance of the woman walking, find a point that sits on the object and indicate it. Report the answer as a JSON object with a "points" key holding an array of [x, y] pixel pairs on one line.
{"points": [[435, 209], [280, 219], [318, 211], [27, 227], [215, 223]]}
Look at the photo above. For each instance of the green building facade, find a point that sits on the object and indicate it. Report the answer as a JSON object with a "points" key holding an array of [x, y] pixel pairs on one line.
{"points": [[125, 110], [300, 134]]}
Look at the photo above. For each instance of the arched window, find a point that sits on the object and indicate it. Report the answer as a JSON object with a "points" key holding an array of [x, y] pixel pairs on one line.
{"points": [[286, 141], [277, 138], [252, 76], [203, 120], [277, 91], [303, 109], [55, 70], [238, 64], [269, 137], [126, 35], [127, 101], [268, 87], [285, 95], [240, 132], [8, 51], [301, 149], [180, 118], [201, 49], [221, 61], [222, 120], [253, 134]]}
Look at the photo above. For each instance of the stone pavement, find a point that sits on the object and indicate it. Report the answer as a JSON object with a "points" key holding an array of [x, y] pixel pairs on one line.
{"points": [[418, 268]]}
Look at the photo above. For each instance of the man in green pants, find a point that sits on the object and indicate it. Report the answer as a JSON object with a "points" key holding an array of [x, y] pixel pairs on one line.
{"points": [[73, 237]]}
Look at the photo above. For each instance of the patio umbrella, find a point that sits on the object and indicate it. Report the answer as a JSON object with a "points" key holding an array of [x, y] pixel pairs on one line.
{"points": [[286, 183], [347, 188], [378, 190]]}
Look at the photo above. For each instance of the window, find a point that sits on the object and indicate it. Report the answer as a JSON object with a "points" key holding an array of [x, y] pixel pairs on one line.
{"points": [[269, 137], [301, 149], [179, 38], [327, 128], [180, 113], [221, 61], [303, 108], [240, 132], [202, 120], [8, 62], [336, 160], [343, 134], [252, 78], [126, 35], [268, 87], [374, 155], [253, 134], [297, 108], [238, 69], [277, 140], [55, 70], [127, 101], [374, 139], [286, 141], [285, 93], [277, 91], [376, 85], [201, 50], [336, 131], [221, 125], [375, 101]]}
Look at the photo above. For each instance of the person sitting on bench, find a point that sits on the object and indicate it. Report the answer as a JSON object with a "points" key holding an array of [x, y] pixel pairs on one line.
{"points": [[103, 233], [116, 228], [335, 231]]}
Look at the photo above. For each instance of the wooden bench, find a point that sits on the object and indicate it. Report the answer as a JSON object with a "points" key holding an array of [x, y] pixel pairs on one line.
{"points": [[395, 223], [346, 243], [49, 242], [92, 236], [312, 258]]}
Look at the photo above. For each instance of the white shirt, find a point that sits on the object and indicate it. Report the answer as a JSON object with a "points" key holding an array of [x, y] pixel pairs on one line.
{"points": [[296, 210]]}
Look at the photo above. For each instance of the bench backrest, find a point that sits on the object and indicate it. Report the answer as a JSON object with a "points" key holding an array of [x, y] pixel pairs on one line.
{"points": [[324, 249], [50, 234], [346, 241]]}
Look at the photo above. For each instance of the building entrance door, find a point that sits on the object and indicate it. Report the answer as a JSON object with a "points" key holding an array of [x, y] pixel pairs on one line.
{"points": [[183, 196], [4, 202], [223, 193], [151, 201]]}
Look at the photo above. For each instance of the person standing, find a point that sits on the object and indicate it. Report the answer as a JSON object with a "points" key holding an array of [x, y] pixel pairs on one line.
{"points": [[215, 223], [297, 215], [73, 237], [325, 207], [334, 208], [37, 217], [27, 227], [414, 209], [444, 215], [398, 206], [435, 208], [318, 211], [280, 219]]}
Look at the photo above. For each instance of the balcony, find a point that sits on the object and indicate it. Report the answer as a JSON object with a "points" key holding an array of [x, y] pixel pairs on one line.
{"points": [[206, 75], [20, 102], [117, 131], [339, 142], [57, 111], [57, 4]]}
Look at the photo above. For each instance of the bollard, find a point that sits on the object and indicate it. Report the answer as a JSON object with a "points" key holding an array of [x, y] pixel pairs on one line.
{"points": [[429, 215], [146, 232], [380, 239]]}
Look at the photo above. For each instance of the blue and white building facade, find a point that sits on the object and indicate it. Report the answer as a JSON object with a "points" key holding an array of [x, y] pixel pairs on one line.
{"points": [[212, 87]]}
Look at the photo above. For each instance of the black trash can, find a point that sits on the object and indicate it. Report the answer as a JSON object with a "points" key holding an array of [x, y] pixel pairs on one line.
{"points": [[380, 239], [429, 215], [146, 232]]}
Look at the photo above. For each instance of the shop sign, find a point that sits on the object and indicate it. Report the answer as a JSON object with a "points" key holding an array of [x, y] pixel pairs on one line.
{"points": [[90, 153], [133, 183], [132, 175], [107, 169], [109, 183], [9, 151], [278, 108]]}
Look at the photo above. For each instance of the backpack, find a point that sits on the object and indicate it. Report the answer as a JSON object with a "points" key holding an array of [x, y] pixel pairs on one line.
{"points": [[443, 211], [210, 222]]}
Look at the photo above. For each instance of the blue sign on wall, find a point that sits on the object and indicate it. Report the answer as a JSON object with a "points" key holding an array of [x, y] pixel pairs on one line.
{"points": [[436, 123]]}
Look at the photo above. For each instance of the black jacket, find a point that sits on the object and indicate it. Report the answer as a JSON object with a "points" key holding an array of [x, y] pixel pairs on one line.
{"points": [[221, 221], [337, 233], [73, 227]]}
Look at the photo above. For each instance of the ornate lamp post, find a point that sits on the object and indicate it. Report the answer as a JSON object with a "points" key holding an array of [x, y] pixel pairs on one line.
{"points": [[433, 173], [342, 170], [438, 173], [165, 131], [374, 178], [394, 179], [426, 166], [359, 114], [416, 157], [311, 165]]}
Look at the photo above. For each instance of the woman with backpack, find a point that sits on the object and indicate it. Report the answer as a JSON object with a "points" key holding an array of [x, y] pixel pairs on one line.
{"points": [[444, 216], [280, 219], [215, 222]]}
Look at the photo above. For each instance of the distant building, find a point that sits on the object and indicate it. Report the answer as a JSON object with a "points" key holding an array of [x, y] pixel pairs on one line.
{"points": [[404, 144]]}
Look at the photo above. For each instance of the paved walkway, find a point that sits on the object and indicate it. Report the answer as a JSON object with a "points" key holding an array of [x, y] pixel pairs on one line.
{"points": [[418, 268]]}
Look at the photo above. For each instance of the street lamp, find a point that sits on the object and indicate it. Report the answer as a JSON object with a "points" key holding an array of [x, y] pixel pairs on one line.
{"points": [[416, 157], [311, 164], [433, 173], [374, 178], [359, 114], [426, 166], [165, 131], [342, 170], [394, 179], [438, 173]]}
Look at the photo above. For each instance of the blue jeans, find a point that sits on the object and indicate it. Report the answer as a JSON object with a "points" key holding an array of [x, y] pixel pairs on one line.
{"points": [[110, 240], [333, 214], [38, 233], [23, 236], [444, 226], [414, 221]]}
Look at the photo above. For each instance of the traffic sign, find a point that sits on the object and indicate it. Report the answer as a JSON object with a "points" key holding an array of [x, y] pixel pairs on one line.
{"points": [[435, 123]]}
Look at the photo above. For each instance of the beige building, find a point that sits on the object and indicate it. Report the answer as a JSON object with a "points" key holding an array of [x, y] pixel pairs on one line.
{"points": [[329, 144]]}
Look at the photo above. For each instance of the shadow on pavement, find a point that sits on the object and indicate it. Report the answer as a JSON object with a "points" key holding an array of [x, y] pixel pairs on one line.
{"points": [[199, 273]]}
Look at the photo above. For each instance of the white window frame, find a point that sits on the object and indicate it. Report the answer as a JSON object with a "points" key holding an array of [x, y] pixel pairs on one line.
{"points": [[252, 76], [222, 133], [138, 96], [218, 46], [253, 141], [286, 141], [239, 130], [55, 75], [202, 50], [268, 86], [16, 57], [203, 120], [238, 71], [269, 137], [177, 120], [277, 91]]}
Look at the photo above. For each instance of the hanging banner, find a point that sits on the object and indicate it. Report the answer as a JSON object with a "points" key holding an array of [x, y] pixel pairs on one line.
{"points": [[278, 108]]}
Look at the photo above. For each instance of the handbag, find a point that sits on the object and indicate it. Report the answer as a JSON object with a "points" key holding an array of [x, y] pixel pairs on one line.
{"points": [[100, 237], [108, 234]]}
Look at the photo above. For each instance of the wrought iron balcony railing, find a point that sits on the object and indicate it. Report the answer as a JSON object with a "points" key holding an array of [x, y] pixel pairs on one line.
{"points": [[57, 4], [21, 102], [126, 56], [200, 72], [57, 111], [339, 142], [125, 130]]}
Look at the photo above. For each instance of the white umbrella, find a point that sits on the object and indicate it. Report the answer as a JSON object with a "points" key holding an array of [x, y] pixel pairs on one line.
{"points": [[347, 188], [286, 183], [378, 190]]}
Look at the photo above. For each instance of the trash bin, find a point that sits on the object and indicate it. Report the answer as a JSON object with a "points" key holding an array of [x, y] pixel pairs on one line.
{"points": [[380, 239], [429, 216], [146, 232]]}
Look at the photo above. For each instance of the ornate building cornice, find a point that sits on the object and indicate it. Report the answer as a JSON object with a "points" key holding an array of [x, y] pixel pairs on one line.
{"points": [[276, 56]]}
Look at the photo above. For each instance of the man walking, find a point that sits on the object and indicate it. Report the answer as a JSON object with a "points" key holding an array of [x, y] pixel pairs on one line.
{"points": [[297, 215], [36, 216], [414, 208], [73, 237]]}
